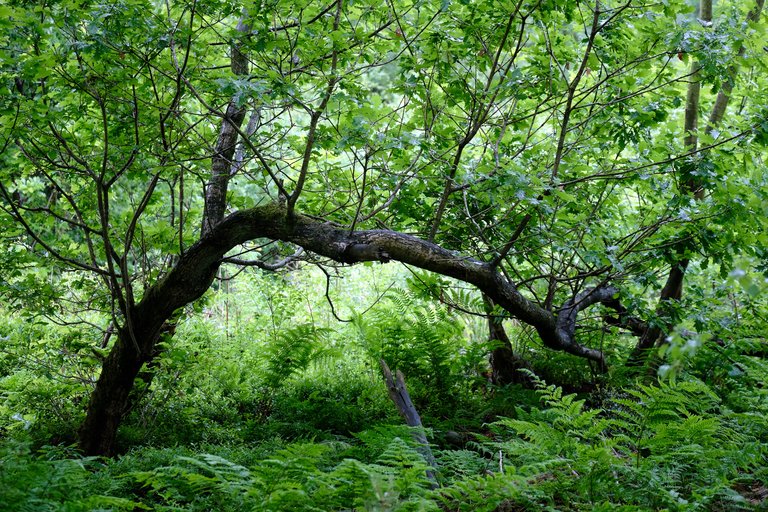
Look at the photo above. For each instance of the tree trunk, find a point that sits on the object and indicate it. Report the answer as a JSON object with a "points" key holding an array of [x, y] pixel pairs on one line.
{"points": [[505, 364], [654, 335], [136, 345], [110, 400], [194, 272]]}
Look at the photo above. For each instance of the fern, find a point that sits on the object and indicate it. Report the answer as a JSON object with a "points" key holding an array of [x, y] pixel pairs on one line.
{"points": [[685, 448], [491, 493], [455, 465], [465, 299], [294, 350], [656, 407], [668, 446], [299, 477], [419, 338], [563, 449], [52, 480], [189, 478]]}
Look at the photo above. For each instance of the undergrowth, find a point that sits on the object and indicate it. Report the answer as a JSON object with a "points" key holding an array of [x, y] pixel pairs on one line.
{"points": [[284, 413], [671, 446]]}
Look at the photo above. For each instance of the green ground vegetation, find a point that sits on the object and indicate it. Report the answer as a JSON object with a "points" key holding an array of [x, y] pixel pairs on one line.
{"points": [[262, 400]]}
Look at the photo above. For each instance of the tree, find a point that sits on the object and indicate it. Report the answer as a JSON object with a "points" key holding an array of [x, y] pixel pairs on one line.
{"points": [[537, 150]]}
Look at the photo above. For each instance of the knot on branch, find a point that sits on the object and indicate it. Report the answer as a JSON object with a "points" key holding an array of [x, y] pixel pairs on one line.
{"points": [[354, 253]]}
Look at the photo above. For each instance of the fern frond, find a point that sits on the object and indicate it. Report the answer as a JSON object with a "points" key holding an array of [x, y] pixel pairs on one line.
{"points": [[294, 350]]}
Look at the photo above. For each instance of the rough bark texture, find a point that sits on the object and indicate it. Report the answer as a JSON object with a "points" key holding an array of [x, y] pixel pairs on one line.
{"points": [[566, 317], [398, 393], [110, 399], [216, 190], [226, 143], [191, 277], [505, 364], [340, 245], [196, 269]]}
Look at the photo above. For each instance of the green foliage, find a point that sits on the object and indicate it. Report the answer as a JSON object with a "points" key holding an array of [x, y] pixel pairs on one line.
{"points": [[295, 349], [538, 139], [45, 377], [676, 445], [306, 476], [667, 446], [458, 465], [51, 480], [341, 401], [221, 397], [425, 341]]}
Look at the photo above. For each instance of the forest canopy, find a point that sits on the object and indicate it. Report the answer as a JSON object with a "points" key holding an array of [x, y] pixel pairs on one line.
{"points": [[588, 175]]}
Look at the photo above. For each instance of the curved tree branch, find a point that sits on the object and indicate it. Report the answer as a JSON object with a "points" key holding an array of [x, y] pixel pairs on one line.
{"points": [[566, 317], [196, 269]]}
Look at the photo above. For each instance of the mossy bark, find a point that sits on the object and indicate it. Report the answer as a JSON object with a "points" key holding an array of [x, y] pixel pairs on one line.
{"points": [[197, 267]]}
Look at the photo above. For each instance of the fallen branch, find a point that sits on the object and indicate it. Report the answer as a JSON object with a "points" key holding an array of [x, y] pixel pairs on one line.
{"points": [[398, 393]]}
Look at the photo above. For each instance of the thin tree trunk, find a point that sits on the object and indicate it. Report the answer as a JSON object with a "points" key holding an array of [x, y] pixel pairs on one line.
{"points": [[673, 288], [672, 291], [655, 335]]}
